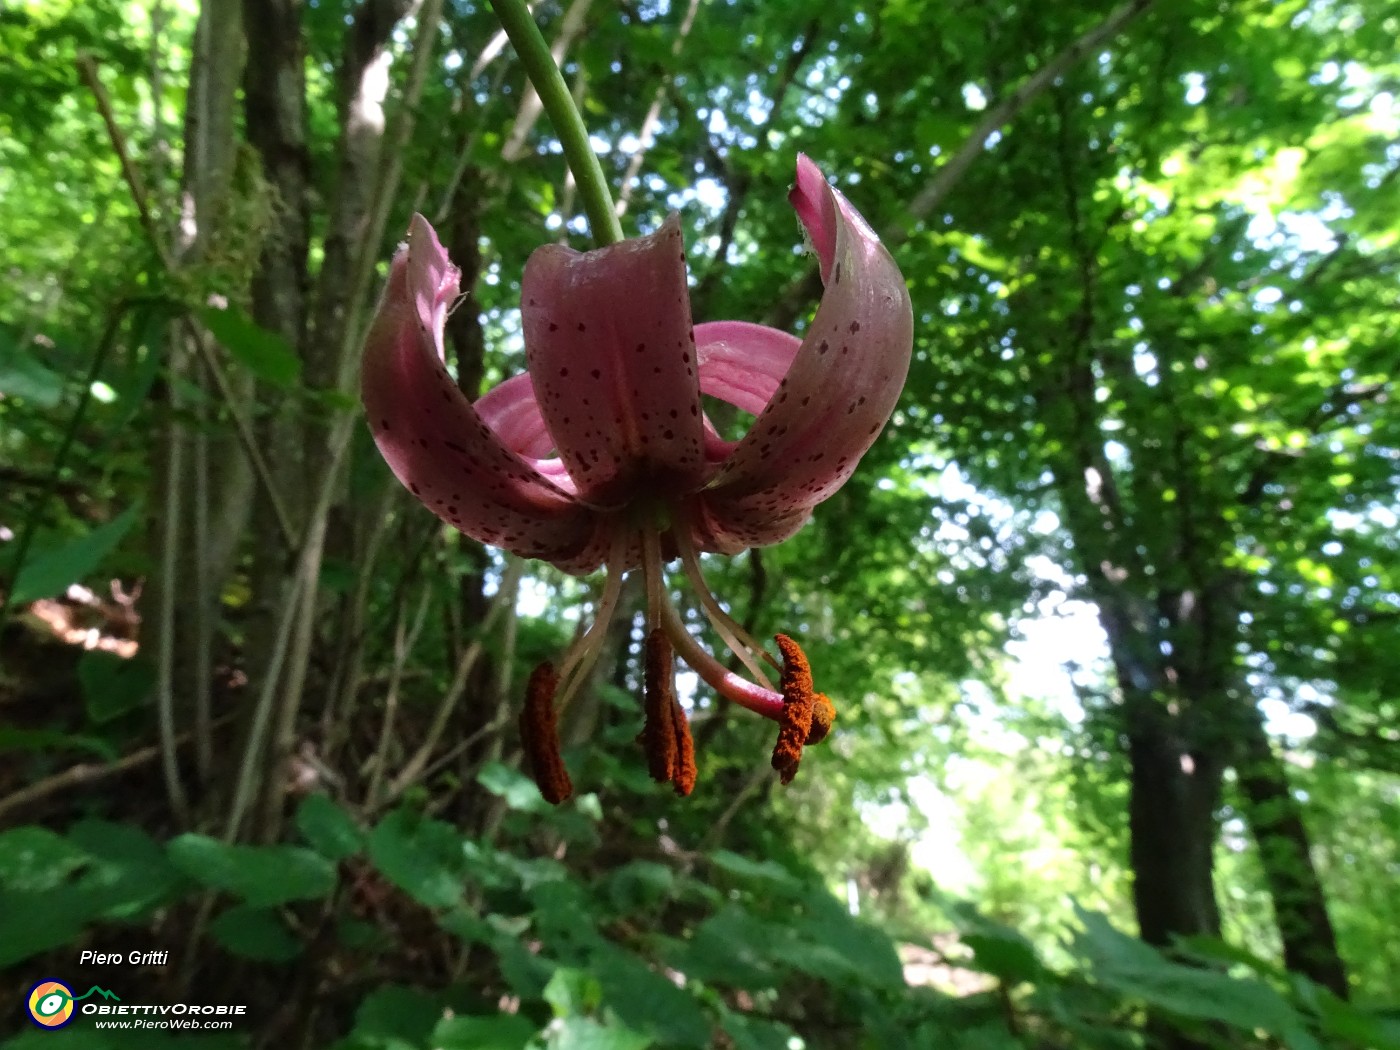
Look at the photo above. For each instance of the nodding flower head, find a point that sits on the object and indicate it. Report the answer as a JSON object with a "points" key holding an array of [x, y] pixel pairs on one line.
{"points": [[601, 454]]}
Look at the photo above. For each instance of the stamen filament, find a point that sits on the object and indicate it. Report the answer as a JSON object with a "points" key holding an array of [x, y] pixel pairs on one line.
{"points": [[729, 685], [653, 576], [584, 652], [729, 629]]}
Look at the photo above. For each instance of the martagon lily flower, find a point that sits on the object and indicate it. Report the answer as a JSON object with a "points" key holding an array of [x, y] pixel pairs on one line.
{"points": [[601, 453]]}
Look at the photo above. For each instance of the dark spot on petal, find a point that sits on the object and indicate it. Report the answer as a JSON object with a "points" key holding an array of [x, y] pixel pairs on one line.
{"points": [[563, 372], [855, 327], [597, 373], [553, 327], [582, 327], [823, 347]]}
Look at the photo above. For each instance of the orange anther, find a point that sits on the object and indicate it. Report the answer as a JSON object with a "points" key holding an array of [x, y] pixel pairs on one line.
{"points": [[684, 774], [807, 714], [659, 731], [539, 734], [823, 715]]}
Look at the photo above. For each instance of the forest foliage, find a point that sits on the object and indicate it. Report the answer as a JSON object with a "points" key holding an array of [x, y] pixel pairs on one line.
{"points": [[1109, 611]]}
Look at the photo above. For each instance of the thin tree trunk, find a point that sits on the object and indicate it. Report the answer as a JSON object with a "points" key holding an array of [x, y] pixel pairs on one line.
{"points": [[1276, 818], [274, 91]]}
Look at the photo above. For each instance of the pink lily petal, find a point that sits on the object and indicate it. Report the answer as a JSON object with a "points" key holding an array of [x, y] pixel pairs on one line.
{"points": [[743, 363], [512, 411], [842, 386], [610, 350], [435, 441]]}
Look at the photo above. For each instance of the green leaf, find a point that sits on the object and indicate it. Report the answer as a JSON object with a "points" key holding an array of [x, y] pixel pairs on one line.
{"points": [[23, 375], [640, 884], [266, 354], [421, 856], [396, 1012], [767, 871], [113, 686], [648, 1002], [34, 922], [573, 993], [753, 1033], [33, 859], [1004, 953], [263, 876], [503, 1032], [518, 790], [55, 564], [1135, 969], [837, 946], [39, 740], [583, 1033], [131, 874], [254, 933], [330, 831]]}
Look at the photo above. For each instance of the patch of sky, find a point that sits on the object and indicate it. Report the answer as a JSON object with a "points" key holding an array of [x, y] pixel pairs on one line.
{"points": [[973, 97], [1195, 88]]}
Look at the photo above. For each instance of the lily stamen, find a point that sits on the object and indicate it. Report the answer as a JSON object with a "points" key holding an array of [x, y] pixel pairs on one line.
{"points": [[729, 629], [539, 736], [805, 711]]}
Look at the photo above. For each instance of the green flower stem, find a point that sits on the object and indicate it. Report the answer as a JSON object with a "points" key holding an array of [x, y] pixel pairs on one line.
{"points": [[539, 65]]}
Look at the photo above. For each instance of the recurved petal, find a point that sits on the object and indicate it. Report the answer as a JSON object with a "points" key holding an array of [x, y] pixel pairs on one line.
{"points": [[844, 380], [742, 363], [613, 361], [435, 441]]}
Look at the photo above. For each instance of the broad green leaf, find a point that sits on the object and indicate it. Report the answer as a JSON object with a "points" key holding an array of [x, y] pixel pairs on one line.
{"points": [[755, 1033], [55, 563], [1003, 953], [397, 1012], [24, 375], [421, 856], [502, 1032], [43, 740], [254, 933], [769, 872], [583, 1033], [33, 859], [266, 354], [262, 876], [36, 921], [573, 992], [330, 831], [518, 790], [112, 686], [646, 1001]]}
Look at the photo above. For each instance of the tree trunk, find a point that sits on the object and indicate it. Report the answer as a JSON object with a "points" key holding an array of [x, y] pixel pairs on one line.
{"points": [[1276, 818], [1171, 822]]}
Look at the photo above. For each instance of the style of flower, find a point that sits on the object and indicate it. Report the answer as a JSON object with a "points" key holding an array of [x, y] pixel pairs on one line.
{"points": [[601, 452]]}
